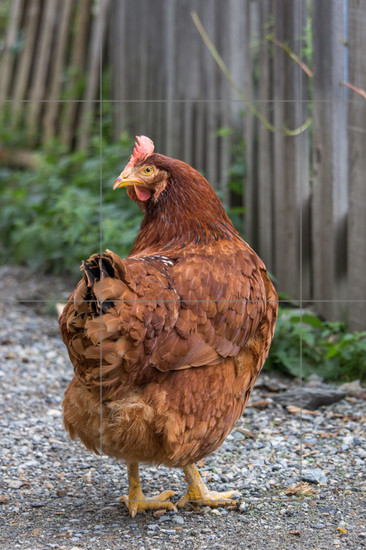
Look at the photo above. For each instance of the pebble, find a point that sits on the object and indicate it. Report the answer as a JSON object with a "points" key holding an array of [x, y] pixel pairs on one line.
{"points": [[243, 507], [16, 484], [168, 531], [178, 519], [165, 518], [316, 475]]}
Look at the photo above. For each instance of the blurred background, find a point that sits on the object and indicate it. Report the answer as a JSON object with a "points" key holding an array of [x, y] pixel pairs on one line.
{"points": [[265, 97]]}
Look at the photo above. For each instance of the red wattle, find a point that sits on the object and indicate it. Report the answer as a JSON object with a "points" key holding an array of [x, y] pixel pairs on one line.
{"points": [[142, 193]]}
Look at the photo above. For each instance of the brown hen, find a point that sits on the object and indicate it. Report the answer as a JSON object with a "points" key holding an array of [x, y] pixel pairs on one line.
{"points": [[167, 343]]}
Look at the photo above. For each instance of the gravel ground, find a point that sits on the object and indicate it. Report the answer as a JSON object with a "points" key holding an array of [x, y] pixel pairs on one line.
{"points": [[56, 495]]}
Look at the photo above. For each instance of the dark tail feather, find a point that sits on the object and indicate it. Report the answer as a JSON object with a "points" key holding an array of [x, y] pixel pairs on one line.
{"points": [[95, 266]]}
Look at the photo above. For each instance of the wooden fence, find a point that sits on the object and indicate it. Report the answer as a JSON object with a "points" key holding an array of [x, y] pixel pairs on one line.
{"points": [[304, 191]]}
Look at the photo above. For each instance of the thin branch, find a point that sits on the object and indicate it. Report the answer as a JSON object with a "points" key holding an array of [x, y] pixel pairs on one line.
{"points": [[215, 54], [286, 48], [358, 91], [297, 131]]}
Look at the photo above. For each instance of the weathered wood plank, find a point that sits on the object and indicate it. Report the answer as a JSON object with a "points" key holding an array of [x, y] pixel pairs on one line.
{"points": [[250, 184], [330, 190], [25, 63], [76, 71], [7, 59], [58, 68], [265, 220], [88, 105], [357, 166], [118, 41], [41, 66], [170, 58], [291, 171], [224, 92], [210, 76]]}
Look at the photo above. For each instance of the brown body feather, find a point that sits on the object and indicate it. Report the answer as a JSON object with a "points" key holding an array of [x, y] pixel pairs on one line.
{"points": [[167, 344]]}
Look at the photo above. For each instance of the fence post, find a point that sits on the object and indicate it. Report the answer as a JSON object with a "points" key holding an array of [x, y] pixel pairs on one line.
{"points": [[77, 65], [265, 219], [42, 56], [25, 62], [92, 86], [330, 158], [291, 181], [357, 165], [8, 57]]}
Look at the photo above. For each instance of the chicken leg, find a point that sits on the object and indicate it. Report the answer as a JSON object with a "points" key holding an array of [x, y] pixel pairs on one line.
{"points": [[136, 500], [199, 494]]}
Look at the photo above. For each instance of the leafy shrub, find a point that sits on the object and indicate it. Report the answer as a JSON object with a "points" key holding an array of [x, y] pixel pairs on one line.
{"points": [[327, 349], [50, 217]]}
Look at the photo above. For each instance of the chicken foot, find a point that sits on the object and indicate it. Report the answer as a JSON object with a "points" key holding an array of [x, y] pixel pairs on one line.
{"points": [[199, 494], [136, 500]]}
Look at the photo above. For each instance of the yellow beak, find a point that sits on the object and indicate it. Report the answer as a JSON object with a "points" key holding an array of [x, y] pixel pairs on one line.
{"points": [[123, 182]]}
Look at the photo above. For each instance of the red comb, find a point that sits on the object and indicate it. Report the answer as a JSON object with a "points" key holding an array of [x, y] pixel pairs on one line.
{"points": [[144, 147]]}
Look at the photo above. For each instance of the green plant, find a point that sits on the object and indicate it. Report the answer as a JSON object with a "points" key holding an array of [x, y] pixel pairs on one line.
{"points": [[236, 175], [50, 218], [325, 348]]}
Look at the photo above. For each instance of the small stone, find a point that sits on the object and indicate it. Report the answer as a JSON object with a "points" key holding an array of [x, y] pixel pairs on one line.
{"points": [[4, 499], [319, 525], [352, 388], [16, 484], [215, 512], [348, 440], [178, 519], [54, 412], [315, 380], [153, 527], [165, 518], [315, 475], [37, 504], [243, 507]]}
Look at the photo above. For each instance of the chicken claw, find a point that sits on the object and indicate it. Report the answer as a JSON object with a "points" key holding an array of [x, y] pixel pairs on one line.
{"points": [[136, 500], [199, 494]]}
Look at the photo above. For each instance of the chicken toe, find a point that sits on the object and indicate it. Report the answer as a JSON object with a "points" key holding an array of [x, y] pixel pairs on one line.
{"points": [[199, 494], [136, 500]]}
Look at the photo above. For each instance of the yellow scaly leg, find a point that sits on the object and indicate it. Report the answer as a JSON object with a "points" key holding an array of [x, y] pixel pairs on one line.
{"points": [[199, 494], [136, 500]]}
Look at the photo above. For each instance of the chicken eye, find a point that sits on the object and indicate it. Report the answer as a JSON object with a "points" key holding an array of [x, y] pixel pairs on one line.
{"points": [[148, 170]]}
